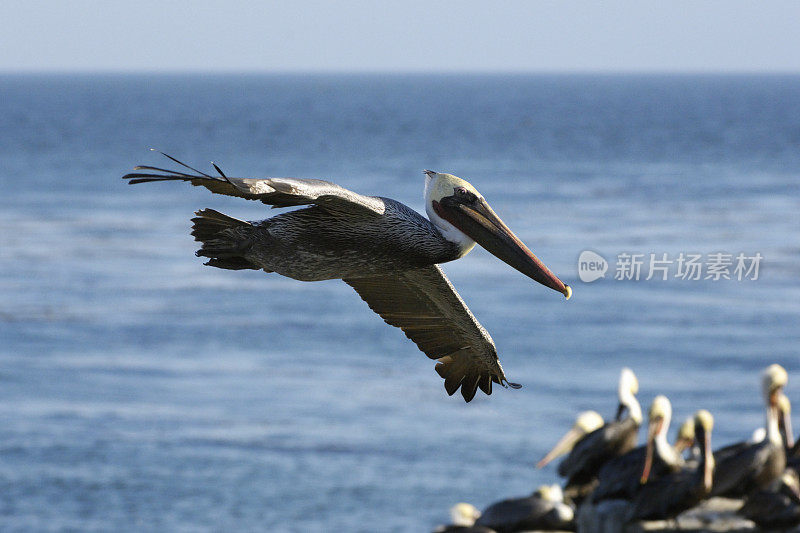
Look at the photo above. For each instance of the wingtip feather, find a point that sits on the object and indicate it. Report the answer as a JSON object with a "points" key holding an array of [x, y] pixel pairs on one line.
{"points": [[451, 384], [221, 173], [485, 384], [469, 386]]}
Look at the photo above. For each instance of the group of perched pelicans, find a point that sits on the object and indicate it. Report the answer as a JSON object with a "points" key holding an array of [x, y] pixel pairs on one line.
{"points": [[657, 480]]}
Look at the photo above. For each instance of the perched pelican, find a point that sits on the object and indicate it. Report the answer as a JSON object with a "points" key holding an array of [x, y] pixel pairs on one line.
{"points": [[614, 438], [684, 440], [776, 507], [543, 510], [661, 458], [463, 516], [385, 250], [784, 414], [585, 422], [622, 476], [758, 436], [745, 468], [676, 492]]}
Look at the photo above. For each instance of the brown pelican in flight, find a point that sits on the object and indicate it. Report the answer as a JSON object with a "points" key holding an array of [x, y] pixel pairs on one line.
{"points": [[382, 248]]}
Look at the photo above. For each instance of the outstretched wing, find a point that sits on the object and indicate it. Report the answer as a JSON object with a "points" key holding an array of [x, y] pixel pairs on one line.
{"points": [[277, 192], [423, 303]]}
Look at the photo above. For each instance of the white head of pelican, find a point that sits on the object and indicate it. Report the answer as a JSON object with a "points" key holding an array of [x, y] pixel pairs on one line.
{"points": [[464, 217], [464, 514], [659, 417], [685, 437], [773, 379], [585, 423], [704, 424], [627, 390]]}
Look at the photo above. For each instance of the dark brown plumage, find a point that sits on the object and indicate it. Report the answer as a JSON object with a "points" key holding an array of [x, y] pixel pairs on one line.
{"points": [[775, 507], [537, 512], [623, 476], [747, 467], [424, 304], [613, 439], [679, 491], [385, 250], [583, 463]]}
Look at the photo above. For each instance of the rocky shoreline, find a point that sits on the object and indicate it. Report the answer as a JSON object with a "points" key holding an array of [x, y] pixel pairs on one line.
{"points": [[712, 515]]}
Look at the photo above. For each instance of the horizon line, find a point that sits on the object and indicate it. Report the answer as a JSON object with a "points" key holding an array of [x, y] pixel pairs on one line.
{"points": [[410, 72]]}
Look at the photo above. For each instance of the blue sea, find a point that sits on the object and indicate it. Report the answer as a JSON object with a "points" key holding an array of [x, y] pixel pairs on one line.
{"points": [[143, 391]]}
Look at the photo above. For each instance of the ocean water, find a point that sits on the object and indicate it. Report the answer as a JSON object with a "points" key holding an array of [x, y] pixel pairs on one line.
{"points": [[142, 391]]}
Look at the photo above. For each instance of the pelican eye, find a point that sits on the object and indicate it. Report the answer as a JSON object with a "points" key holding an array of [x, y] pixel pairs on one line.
{"points": [[464, 194]]}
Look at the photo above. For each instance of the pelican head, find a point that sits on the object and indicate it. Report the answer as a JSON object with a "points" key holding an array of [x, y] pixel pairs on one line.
{"points": [[588, 421], [703, 424], [464, 514], [628, 381], [464, 217], [685, 437], [550, 493], [626, 391], [660, 413], [564, 512], [704, 419], [554, 495], [659, 417], [773, 379], [585, 423]]}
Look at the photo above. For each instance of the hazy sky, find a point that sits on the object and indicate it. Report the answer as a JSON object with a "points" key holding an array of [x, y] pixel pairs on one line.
{"points": [[398, 35]]}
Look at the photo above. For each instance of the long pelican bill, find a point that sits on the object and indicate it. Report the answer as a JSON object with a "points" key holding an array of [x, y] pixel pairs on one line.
{"points": [[653, 430], [564, 445], [476, 218]]}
